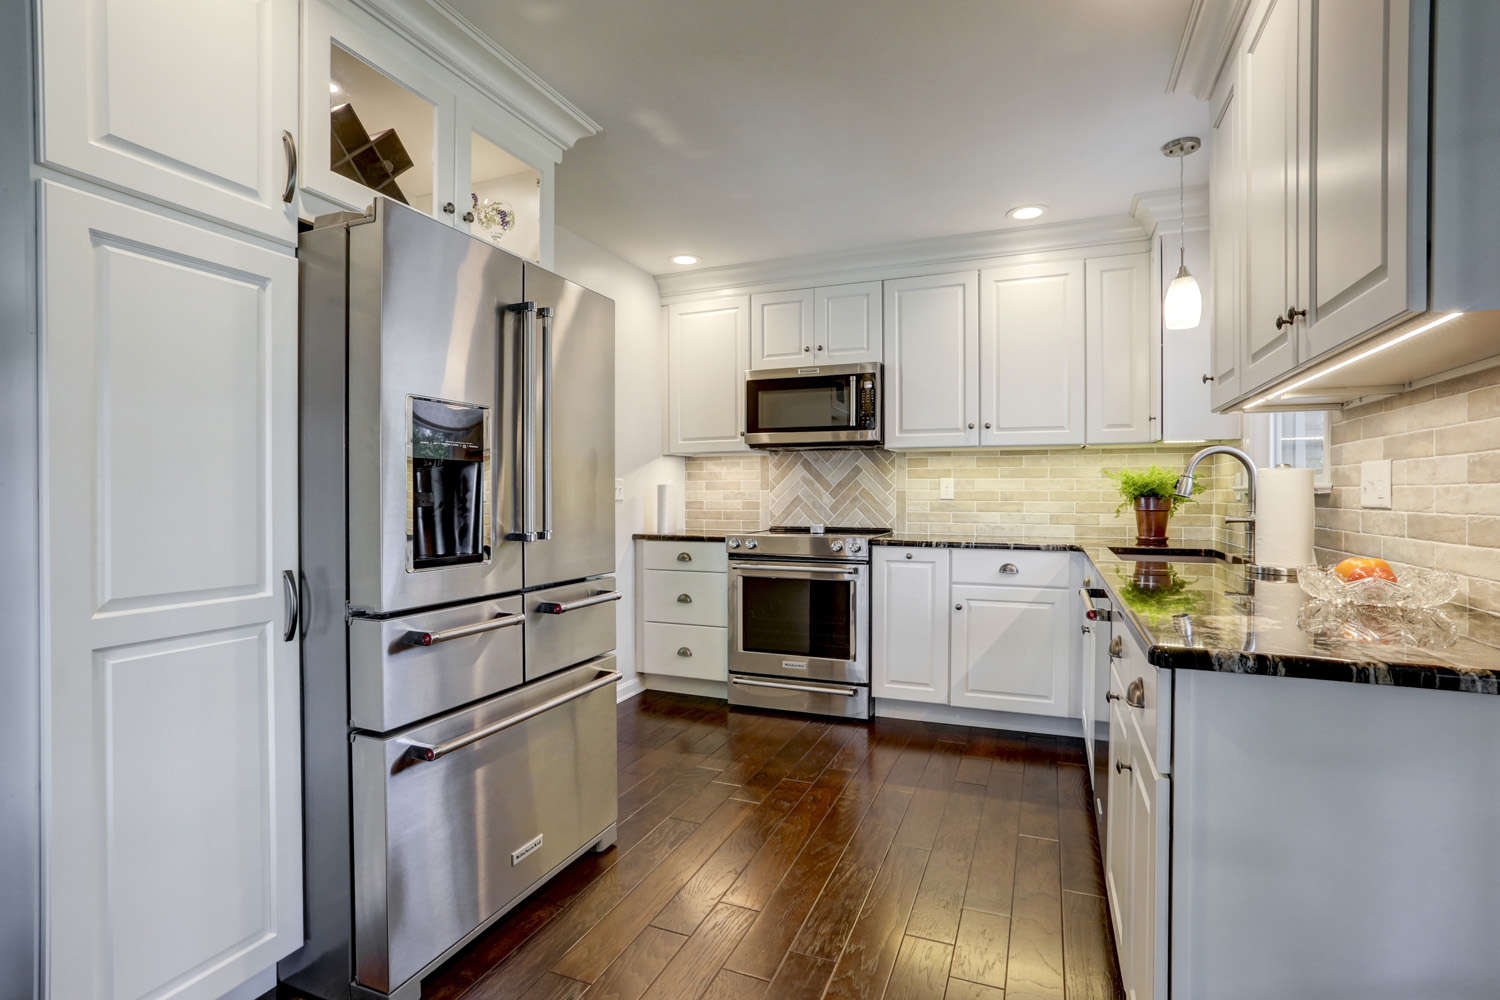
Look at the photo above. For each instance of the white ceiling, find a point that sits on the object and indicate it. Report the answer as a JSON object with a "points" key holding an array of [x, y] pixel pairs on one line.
{"points": [[758, 129]]}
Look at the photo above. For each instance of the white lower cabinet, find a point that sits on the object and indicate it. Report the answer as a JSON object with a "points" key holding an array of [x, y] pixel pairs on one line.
{"points": [[173, 775], [683, 613], [909, 624], [1012, 649]]}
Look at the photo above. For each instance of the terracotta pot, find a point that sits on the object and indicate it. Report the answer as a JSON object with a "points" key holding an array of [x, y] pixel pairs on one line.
{"points": [[1151, 515]]}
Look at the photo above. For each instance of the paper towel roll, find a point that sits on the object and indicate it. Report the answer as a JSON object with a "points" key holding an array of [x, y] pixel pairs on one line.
{"points": [[663, 508], [1284, 518]]}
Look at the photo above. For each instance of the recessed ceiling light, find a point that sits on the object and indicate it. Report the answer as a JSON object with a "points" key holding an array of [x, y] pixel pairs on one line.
{"points": [[684, 258], [1022, 213], [333, 88]]}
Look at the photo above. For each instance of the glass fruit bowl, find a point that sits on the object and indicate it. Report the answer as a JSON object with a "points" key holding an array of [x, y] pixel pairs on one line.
{"points": [[1378, 624], [1413, 587]]}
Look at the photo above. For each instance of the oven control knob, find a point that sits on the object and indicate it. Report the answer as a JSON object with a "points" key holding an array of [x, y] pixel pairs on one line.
{"points": [[855, 545], [733, 543], [836, 545], [750, 543]]}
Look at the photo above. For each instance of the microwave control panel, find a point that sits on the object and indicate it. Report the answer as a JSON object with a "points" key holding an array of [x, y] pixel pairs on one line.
{"points": [[867, 414]]}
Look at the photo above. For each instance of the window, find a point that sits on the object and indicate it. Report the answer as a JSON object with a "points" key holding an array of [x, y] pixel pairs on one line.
{"points": [[1296, 438]]}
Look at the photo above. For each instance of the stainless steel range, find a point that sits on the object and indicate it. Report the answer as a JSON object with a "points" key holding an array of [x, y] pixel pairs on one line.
{"points": [[799, 622]]}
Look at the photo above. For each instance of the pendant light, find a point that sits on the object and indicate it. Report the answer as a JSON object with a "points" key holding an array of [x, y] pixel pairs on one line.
{"points": [[1183, 307]]}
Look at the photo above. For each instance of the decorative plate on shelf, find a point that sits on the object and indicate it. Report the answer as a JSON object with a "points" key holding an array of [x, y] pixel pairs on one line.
{"points": [[1412, 588]]}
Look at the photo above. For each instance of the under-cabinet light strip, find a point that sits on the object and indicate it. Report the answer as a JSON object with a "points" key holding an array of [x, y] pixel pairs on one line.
{"points": [[1357, 358]]}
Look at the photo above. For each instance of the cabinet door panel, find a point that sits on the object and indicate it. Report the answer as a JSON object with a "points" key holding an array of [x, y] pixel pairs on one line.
{"points": [[1149, 843], [1354, 237], [1121, 359], [932, 361], [781, 330], [1226, 228], [1012, 649], [847, 323], [1031, 354], [174, 858], [1268, 83], [909, 625], [1118, 830], [178, 102], [709, 344]]}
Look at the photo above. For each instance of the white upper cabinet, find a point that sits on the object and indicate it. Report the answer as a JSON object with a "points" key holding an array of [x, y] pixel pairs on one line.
{"points": [[1012, 649], [173, 773], [1226, 209], [500, 197], [781, 330], [1031, 354], [1268, 87], [909, 624], [1122, 406], [932, 361], [847, 323], [1356, 238], [708, 344], [192, 105]]}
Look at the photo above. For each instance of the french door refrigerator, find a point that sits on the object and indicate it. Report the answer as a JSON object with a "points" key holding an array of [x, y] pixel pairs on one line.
{"points": [[456, 605]]}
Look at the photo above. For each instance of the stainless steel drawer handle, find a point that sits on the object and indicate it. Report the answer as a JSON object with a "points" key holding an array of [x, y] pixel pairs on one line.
{"points": [[1009, 568], [432, 751], [561, 608], [1117, 647], [461, 631], [1135, 693], [684, 651], [684, 557], [1121, 767], [1090, 611], [746, 682], [684, 599]]}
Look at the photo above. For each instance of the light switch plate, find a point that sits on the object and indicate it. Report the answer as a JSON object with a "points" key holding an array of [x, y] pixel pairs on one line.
{"points": [[945, 489], [619, 491], [1375, 484]]}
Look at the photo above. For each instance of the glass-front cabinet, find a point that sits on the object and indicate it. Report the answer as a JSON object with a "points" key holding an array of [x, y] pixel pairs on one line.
{"points": [[400, 125]]}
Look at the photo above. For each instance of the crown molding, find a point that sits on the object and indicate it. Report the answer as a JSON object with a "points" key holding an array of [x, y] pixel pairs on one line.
{"points": [[446, 36], [1158, 210], [911, 257], [1207, 42]]}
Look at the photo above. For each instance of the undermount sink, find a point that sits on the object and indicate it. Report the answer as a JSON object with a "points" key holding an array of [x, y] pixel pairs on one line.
{"points": [[1136, 553]]}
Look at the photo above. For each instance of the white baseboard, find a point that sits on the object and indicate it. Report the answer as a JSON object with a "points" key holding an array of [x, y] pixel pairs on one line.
{"points": [[948, 715], [686, 685], [628, 689]]}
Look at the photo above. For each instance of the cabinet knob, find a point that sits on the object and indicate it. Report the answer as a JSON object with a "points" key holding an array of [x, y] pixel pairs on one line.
{"points": [[820, 347], [468, 216], [971, 427], [684, 557], [908, 555], [1111, 696], [1207, 379], [684, 599], [449, 207], [986, 425], [1084, 629], [1292, 312], [807, 350], [684, 651], [958, 607], [1121, 767]]}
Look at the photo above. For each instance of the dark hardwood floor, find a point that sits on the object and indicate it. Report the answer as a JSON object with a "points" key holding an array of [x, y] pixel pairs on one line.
{"points": [[767, 857]]}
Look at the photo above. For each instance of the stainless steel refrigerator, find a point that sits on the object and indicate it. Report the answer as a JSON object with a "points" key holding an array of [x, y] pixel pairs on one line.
{"points": [[457, 616]]}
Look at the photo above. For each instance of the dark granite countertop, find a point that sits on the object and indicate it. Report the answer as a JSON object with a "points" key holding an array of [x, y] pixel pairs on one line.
{"points": [[996, 541], [681, 536]]}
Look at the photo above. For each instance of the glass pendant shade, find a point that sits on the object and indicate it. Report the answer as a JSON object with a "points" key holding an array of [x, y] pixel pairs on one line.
{"points": [[1183, 308]]}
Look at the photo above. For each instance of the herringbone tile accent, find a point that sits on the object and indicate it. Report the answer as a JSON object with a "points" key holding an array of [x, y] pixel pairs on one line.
{"points": [[852, 488]]}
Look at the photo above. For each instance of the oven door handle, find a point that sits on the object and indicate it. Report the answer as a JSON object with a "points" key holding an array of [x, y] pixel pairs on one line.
{"points": [[794, 572], [747, 682], [432, 751]]}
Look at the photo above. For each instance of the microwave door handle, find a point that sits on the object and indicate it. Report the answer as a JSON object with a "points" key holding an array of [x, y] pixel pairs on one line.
{"points": [[545, 313], [854, 401]]}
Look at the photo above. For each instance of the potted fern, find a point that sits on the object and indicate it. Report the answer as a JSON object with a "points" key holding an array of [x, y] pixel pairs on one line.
{"points": [[1149, 492]]}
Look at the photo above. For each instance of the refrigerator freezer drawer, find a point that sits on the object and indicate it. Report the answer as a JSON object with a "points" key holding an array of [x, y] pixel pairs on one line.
{"points": [[850, 701], [416, 666], [569, 624], [441, 845]]}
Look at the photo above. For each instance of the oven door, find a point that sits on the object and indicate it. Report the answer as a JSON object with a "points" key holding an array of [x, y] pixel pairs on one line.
{"points": [[812, 407], [799, 620]]}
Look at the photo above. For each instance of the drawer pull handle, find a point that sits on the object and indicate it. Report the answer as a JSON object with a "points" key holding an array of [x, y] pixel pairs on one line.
{"points": [[1117, 647], [1135, 693], [684, 557], [559, 608], [1121, 767], [684, 599], [460, 632], [1009, 568], [432, 751], [684, 651]]}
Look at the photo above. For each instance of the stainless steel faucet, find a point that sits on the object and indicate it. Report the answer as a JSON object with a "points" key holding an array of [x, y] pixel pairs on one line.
{"points": [[1184, 489]]}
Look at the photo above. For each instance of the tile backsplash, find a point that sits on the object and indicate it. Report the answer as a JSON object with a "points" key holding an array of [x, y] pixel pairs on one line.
{"points": [[1053, 492], [1443, 441]]}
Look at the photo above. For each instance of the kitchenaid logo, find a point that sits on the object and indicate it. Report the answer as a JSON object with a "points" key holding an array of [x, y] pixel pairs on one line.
{"points": [[807, 371], [793, 665], [525, 850]]}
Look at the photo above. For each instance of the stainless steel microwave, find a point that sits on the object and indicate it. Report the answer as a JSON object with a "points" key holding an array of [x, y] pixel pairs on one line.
{"points": [[816, 406]]}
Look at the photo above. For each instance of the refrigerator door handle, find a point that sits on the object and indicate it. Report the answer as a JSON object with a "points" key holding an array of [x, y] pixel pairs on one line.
{"points": [[525, 484], [545, 313]]}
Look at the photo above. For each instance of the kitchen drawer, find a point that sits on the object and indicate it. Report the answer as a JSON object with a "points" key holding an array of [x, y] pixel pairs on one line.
{"points": [[1013, 567], [687, 651], [1154, 718], [569, 624], [686, 598], [691, 557]]}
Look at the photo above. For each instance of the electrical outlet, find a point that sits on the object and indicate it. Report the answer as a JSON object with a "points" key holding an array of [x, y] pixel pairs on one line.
{"points": [[1375, 484], [619, 491], [945, 489]]}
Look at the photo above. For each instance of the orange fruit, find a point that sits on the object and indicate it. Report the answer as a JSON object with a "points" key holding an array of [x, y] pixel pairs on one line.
{"points": [[1359, 569]]}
